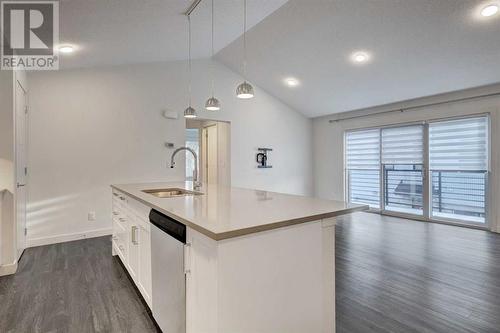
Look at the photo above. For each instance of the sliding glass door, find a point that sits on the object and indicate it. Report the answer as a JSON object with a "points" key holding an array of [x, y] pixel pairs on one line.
{"points": [[435, 170], [458, 159], [402, 169]]}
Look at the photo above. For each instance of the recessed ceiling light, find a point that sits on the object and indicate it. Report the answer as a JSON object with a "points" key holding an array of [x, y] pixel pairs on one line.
{"points": [[489, 10], [291, 82], [66, 49], [360, 57]]}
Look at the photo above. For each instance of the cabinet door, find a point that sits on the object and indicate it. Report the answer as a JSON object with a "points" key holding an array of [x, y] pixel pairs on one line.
{"points": [[133, 248], [145, 263]]}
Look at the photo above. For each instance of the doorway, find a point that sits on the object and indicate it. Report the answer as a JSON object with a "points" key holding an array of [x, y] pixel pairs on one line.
{"points": [[211, 141]]}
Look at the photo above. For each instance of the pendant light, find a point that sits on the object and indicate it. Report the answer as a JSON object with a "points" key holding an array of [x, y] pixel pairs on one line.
{"points": [[212, 103], [189, 112], [245, 89]]}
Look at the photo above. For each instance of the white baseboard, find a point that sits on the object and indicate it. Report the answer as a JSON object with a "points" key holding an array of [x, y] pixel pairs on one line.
{"points": [[68, 237], [8, 269]]}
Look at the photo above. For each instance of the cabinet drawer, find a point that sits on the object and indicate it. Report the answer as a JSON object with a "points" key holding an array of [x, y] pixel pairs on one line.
{"points": [[120, 239]]}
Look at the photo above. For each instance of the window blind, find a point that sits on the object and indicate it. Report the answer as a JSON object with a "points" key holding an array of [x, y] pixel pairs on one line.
{"points": [[363, 166], [459, 145], [403, 145], [363, 150]]}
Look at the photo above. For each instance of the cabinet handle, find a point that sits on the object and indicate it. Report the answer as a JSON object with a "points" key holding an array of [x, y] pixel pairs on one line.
{"points": [[122, 198], [134, 235], [115, 194], [122, 219], [116, 213], [187, 258]]}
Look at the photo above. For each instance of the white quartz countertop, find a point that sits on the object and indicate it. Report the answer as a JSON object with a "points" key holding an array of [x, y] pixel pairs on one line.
{"points": [[224, 212]]}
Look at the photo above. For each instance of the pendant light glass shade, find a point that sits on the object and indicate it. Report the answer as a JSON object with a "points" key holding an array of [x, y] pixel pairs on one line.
{"points": [[189, 113], [212, 104], [244, 90]]}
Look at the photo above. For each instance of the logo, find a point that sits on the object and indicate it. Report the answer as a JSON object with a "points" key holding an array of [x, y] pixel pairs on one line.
{"points": [[30, 34]]}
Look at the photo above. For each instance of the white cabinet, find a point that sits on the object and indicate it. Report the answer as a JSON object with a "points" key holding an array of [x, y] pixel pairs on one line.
{"points": [[132, 240], [133, 249], [145, 282]]}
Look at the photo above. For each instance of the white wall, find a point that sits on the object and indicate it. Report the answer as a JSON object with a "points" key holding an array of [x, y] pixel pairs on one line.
{"points": [[94, 127], [328, 139]]}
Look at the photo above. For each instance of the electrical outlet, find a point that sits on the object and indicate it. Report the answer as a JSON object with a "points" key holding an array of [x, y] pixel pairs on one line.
{"points": [[91, 216]]}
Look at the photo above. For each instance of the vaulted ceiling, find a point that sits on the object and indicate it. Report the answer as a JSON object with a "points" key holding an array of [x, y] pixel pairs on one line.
{"points": [[112, 32], [418, 47]]}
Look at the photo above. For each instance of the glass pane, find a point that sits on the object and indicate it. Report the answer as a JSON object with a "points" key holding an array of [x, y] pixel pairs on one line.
{"points": [[458, 159], [192, 141], [364, 187], [402, 159], [459, 195], [403, 188]]}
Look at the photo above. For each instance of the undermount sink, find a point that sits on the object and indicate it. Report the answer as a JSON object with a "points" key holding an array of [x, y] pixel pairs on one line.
{"points": [[170, 192]]}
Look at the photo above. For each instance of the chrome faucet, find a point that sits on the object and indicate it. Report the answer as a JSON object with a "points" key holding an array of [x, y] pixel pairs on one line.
{"points": [[196, 183]]}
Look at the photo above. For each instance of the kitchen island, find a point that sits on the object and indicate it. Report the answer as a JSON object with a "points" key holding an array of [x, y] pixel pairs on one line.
{"points": [[254, 261]]}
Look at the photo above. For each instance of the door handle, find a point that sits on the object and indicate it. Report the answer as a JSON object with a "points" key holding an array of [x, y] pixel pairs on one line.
{"points": [[134, 235]]}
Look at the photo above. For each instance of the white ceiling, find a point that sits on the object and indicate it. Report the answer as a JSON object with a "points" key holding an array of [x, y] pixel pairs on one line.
{"points": [[420, 48], [112, 32]]}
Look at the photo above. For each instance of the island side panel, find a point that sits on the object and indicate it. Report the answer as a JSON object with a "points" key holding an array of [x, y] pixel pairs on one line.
{"points": [[281, 280], [201, 283], [329, 274]]}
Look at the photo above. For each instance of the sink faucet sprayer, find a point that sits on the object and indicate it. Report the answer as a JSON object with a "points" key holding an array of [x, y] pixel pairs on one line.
{"points": [[196, 183]]}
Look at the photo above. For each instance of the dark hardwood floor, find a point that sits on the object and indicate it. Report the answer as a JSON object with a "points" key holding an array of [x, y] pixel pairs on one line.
{"points": [[397, 275], [393, 275], [71, 287]]}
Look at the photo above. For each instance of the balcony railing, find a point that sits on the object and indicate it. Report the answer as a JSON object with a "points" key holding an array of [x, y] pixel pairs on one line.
{"points": [[459, 195]]}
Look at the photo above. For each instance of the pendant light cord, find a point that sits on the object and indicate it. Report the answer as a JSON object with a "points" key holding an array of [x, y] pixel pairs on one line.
{"points": [[189, 58], [245, 39], [212, 59]]}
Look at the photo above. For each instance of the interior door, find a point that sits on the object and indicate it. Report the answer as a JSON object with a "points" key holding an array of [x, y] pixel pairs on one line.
{"points": [[211, 153], [21, 114]]}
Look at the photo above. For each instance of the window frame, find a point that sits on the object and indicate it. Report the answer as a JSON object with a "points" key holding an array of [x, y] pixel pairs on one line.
{"points": [[427, 181]]}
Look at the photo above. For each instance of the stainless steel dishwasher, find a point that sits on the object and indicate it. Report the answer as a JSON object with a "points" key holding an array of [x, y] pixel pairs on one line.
{"points": [[168, 239]]}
